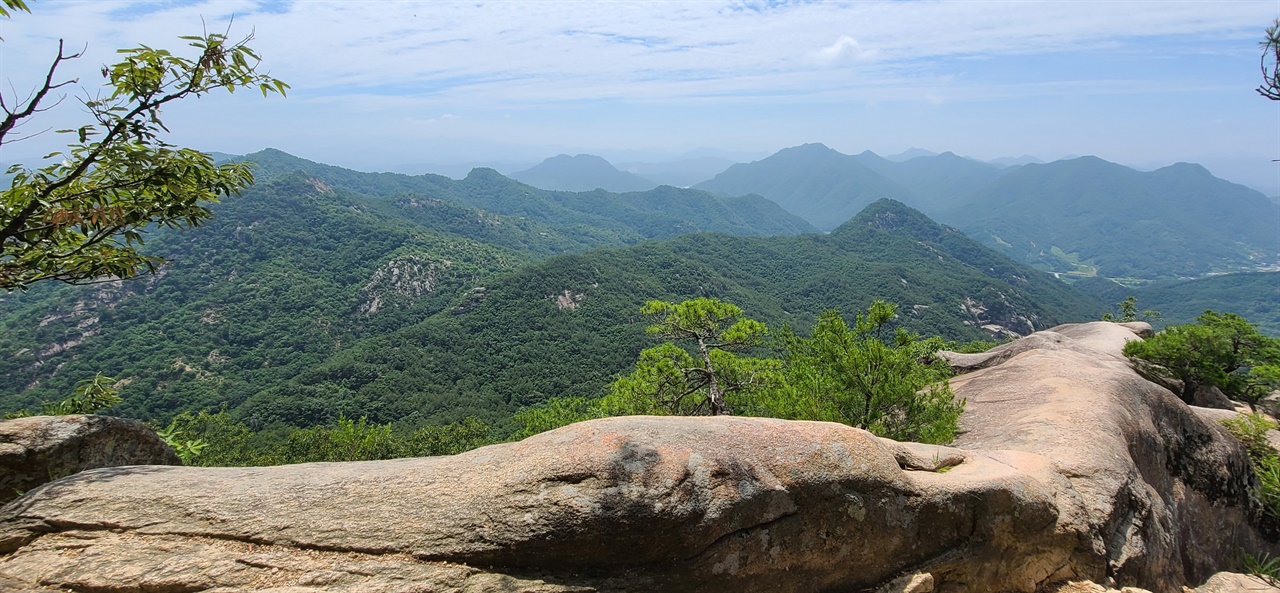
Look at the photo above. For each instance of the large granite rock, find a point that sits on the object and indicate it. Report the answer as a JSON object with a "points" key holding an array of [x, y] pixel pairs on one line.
{"points": [[38, 449], [1070, 467]]}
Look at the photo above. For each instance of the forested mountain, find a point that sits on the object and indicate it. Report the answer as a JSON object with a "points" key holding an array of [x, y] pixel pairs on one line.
{"points": [[1091, 215], [568, 325], [1083, 216], [281, 278], [589, 218], [812, 181], [302, 266], [583, 172], [937, 182], [1254, 296], [304, 300]]}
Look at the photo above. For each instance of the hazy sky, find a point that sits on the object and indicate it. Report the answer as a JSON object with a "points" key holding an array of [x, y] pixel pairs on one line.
{"points": [[381, 83]]}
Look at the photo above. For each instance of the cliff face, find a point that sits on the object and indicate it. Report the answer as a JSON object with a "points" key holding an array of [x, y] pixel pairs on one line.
{"points": [[1069, 466]]}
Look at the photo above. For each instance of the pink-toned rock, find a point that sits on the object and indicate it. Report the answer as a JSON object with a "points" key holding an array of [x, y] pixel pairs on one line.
{"points": [[1070, 468], [1233, 582]]}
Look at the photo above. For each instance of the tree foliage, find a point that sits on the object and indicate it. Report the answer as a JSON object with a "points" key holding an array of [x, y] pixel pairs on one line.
{"points": [[224, 441], [670, 380], [1220, 350], [839, 373], [1270, 62], [1251, 430], [82, 218], [91, 396], [1127, 310], [892, 387]]}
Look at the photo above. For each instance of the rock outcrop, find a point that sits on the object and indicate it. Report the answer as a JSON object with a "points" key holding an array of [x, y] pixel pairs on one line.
{"points": [[38, 449], [1070, 467]]}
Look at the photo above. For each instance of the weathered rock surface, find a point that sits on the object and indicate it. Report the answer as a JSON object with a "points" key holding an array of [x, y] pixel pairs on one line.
{"points": [[1231, 582], [38, 449], [1159, 495], [1070, 467]]}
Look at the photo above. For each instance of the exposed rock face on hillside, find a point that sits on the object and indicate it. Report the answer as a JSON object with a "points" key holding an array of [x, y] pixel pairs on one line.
{"points": [[1070, 467], [38, 449]]}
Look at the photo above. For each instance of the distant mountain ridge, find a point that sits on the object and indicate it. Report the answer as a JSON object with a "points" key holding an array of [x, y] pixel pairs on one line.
{"points": [[680, 173], [937, 182], [1081, 216], [811, 181], [1084, 213], [583, 172], [657, 213]]}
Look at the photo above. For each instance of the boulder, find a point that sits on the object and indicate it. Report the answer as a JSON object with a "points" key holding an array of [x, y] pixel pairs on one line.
{"points": [[1233, 582], [1069, 468], [1159, 496], [37, 449]]}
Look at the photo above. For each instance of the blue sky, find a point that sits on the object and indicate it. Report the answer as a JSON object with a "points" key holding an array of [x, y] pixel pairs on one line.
{"points": [[382, 83]]}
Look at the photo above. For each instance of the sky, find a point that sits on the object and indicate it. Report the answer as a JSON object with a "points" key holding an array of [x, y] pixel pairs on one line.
{"points": [[380, 84]]}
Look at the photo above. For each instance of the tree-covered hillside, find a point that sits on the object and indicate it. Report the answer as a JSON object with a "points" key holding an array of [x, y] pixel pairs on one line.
{"points": [[299, 268], [1090, 216], [282, 277], [1254, 296], [591, 218], [567, 326]]}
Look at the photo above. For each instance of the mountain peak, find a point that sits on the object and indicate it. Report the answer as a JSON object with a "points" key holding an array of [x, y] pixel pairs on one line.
{"points": [[810, 149], [893, 216], [583, 172]]}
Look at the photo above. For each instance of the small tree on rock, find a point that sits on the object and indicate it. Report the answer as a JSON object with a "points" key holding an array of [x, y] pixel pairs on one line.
{"points": [[671, 380], [894, 388], [1221, 350]]}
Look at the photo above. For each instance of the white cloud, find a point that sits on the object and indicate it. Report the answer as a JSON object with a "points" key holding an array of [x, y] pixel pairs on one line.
{"points": [[845, 49]]}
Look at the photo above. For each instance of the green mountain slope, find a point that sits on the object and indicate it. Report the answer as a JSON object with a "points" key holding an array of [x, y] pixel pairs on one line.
{"points": [[566, 326], [583, 172], [592, 218], [300, 267], [812, 181], [1254, 296], [279, 280], [1089, 216]]}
